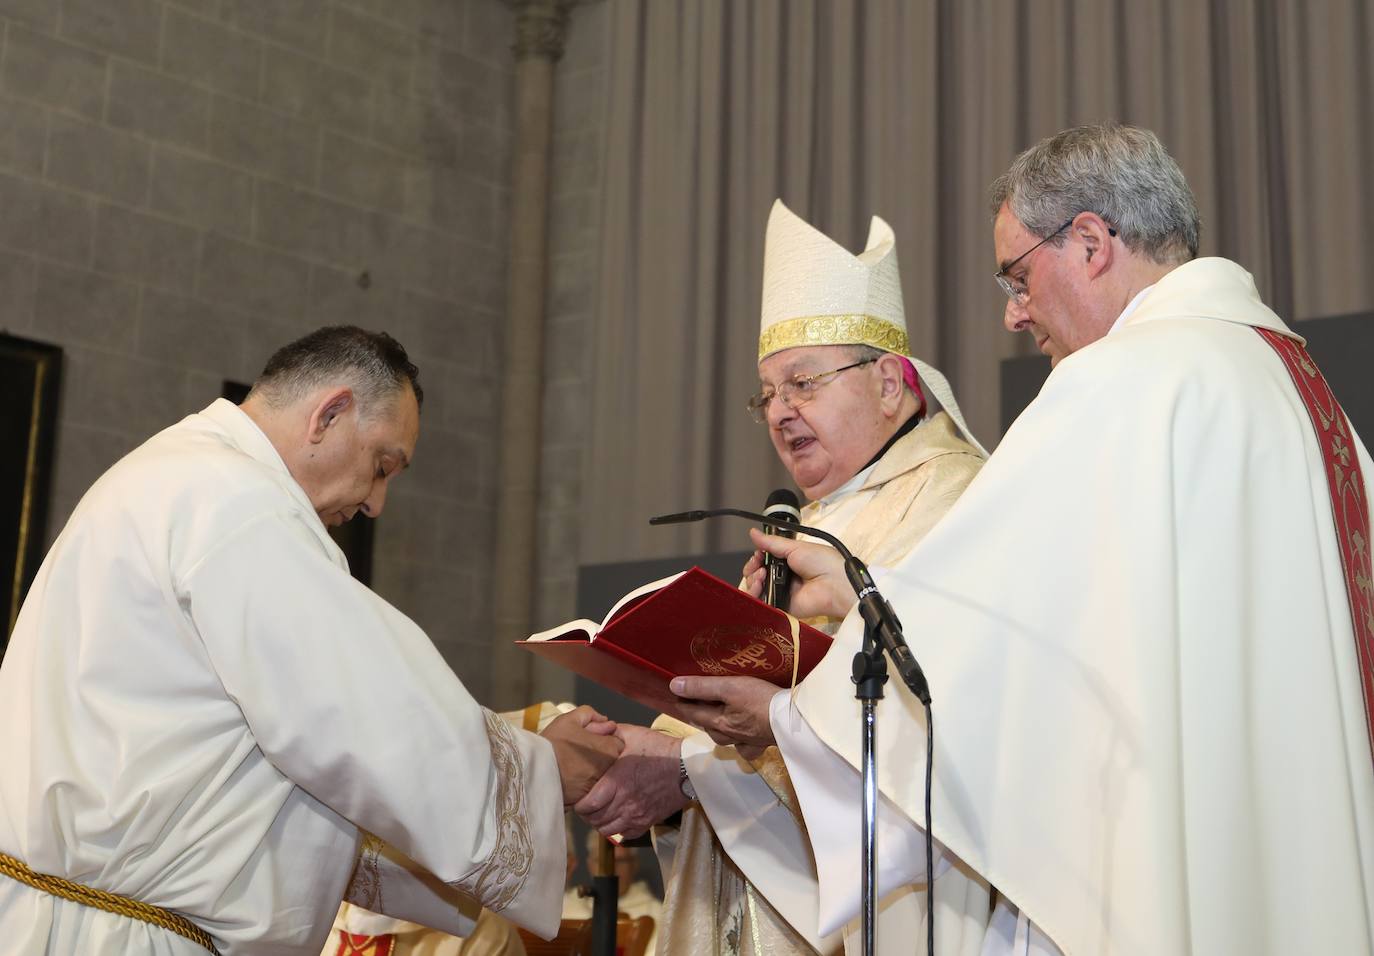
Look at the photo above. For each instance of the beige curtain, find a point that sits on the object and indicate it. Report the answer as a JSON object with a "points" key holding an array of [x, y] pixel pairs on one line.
{"points": [[908, 109]]}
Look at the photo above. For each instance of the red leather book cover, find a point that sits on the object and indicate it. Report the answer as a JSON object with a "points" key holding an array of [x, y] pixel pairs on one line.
{"points": [[695, 625]]}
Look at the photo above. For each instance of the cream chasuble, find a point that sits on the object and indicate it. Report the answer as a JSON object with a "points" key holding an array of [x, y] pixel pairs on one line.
{"points": [[739, 877], [1149, 727], [180, 724]]}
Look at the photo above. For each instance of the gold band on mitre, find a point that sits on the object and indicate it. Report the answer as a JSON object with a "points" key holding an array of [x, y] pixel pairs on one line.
{"points": [[833, 330]]}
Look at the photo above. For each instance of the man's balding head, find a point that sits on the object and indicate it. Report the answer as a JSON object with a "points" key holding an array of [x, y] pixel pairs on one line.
{"points": [[342, 408]]}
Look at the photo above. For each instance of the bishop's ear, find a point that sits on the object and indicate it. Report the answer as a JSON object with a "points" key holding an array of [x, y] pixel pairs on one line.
{"points": [[328, 410], [890, 372]]}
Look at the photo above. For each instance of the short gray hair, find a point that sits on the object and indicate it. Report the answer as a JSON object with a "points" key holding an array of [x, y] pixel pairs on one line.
{"points": [[373, 364], [865, 353], [1122, 173]]}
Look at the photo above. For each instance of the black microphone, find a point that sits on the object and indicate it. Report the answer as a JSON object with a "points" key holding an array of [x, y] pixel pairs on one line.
{"points": [[876, 612], [784, 506]]}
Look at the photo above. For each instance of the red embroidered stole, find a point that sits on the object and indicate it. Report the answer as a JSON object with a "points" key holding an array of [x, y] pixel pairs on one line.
{"points": [[1348, 505], [352, 944]]}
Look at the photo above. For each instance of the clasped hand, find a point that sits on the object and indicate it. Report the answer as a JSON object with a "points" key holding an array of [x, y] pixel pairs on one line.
{"points": [[640, 789], [585, 746], [644, 786]]}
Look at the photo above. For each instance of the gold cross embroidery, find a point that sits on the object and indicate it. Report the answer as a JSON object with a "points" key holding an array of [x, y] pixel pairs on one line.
{"points": [[1341, 450]]}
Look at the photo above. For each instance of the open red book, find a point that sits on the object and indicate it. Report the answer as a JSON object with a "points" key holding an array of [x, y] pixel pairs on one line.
{"points": [[689, 624]]}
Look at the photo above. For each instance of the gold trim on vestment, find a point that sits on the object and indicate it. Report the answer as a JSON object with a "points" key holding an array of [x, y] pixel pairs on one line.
{"points": [[501, 877], [833, 330], [104, 900], [365, 888], [753, 916]]}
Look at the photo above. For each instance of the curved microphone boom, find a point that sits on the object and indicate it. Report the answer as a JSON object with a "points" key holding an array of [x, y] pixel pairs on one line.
{"points": [[876, 612], [784, 506]]}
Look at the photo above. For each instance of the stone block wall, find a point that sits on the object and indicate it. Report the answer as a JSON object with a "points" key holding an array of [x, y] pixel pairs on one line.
{"points": [[187, 184]]}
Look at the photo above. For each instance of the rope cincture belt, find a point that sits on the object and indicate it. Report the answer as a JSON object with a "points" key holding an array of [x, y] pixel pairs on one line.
{"points": [[109, 902]]}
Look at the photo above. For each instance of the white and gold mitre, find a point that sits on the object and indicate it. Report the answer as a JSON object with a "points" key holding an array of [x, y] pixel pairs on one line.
{"points": [[815, 292]]}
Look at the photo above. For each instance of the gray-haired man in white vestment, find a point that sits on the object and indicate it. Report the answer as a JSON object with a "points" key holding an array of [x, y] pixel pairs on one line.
{"points": [[1148, 625]]}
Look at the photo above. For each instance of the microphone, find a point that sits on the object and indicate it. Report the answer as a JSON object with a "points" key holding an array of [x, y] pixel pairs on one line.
{"points": [[782, 505], [874, 609]]}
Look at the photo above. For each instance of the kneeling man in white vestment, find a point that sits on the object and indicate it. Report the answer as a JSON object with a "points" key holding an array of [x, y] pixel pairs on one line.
{"points": [[186, 766], [1147, 625]]}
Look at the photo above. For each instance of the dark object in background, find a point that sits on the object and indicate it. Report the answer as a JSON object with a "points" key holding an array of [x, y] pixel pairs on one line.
{"points": [[1340, 344], [30, 373], [353, 537]]}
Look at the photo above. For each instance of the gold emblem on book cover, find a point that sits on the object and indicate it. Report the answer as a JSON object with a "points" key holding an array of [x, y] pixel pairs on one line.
{"points": [[727, 651]]}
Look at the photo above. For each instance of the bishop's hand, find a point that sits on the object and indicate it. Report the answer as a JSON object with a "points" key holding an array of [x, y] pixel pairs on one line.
{"points": [[819, 585], [732, 710], [585, 746]]}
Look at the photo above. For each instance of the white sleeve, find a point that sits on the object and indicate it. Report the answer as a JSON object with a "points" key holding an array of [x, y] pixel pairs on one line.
{"points": [[350, 700], [390, 891], [829, 791]]}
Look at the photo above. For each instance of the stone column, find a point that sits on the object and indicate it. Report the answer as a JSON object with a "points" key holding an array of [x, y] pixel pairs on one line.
{"points": [[540, 28]]}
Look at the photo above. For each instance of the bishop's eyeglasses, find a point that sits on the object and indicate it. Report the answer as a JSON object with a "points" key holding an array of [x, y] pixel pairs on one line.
{"points": [[797, 390]]}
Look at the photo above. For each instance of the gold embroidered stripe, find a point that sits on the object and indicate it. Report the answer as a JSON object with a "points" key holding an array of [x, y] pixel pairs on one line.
{"points": [[833, 330], [109, 902]]}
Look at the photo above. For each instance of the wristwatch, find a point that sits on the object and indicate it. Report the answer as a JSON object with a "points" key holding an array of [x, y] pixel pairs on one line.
{"points": [[684, 781]]}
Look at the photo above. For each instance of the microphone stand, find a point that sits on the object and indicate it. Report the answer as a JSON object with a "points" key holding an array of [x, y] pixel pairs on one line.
{"points": [[869, 676], [882, 632], [605, 900]]}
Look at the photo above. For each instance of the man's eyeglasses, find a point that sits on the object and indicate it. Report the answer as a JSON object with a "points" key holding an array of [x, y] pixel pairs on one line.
{"points": [[1016, 289], [797, 390]]}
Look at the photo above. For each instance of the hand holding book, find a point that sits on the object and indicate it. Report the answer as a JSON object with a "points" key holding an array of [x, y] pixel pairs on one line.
{"points": [[733, 710]]}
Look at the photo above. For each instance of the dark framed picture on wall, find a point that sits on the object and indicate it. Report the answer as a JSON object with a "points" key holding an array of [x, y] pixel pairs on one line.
{"points": [[30, 373]]}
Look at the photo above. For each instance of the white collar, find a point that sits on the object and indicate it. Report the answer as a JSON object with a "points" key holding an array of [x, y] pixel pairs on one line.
{"points": [[1130, 307], [849, 487], [245, 434]]}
